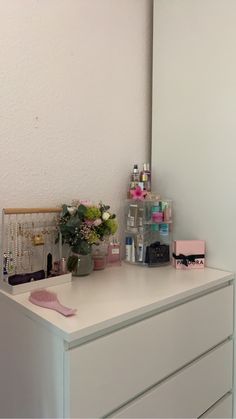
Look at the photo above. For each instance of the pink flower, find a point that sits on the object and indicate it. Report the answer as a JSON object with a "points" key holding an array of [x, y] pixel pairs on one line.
{"points": [[138, 193], [86, 203], [88, 223]]}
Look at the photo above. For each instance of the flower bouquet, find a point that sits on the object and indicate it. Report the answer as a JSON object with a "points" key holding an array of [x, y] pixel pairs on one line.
{"points": [[83, 224]]}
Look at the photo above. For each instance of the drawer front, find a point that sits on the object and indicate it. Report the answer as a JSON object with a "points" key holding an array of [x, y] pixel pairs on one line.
{"points": [[222, 409], [188, 393], [107, 372]]}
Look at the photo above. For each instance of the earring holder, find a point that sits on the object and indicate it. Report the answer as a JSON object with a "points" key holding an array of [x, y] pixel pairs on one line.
{"points": [[35, 238]]}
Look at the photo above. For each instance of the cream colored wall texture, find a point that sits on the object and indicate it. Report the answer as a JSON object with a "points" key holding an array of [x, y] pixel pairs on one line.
{"points": [[75, 99], [194, 120]]}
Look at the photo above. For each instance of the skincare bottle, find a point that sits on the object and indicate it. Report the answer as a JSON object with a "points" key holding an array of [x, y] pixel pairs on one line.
{"points": [[140, 248], [63, 267], [135, 177], [128, 249], [167, 211], [164, 229], [134, 180], [145, 177], [133, 255], [156, 209], [140, 216], [132, 216]]}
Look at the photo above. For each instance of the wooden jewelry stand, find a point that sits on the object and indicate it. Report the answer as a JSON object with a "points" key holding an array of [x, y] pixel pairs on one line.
{"points": [[27, 234]]}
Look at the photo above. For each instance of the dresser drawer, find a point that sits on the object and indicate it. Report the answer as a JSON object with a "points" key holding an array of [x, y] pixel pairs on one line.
{"points": [[223, 409], [188, 393], [107, 372]]}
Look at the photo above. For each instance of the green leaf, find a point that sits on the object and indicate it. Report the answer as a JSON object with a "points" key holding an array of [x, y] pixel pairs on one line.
{"points": [[66, 229], [64, 210], [74, 221], [81, 211], [72, 263], [85, 248]]}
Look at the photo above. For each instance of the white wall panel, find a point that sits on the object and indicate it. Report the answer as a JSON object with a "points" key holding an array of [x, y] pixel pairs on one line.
{"points": [[75, 99], [194, 123]]}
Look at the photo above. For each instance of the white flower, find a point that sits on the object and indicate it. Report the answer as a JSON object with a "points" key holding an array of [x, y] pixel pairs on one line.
{"points": [[71, 210], [97, 222], [105, 216]]}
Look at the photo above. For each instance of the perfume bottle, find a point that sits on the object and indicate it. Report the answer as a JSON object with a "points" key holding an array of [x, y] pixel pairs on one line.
{"points": [[114, 255]]}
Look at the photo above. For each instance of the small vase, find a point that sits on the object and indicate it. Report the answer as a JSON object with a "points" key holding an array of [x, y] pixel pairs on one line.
{"points": [[82, 266]]}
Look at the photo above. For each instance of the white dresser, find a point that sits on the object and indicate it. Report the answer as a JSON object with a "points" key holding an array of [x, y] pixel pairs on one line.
{"points": [[145, 343]]}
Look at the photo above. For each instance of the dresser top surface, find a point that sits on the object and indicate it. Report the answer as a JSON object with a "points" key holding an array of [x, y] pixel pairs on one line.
{"points": [[115, 295]]}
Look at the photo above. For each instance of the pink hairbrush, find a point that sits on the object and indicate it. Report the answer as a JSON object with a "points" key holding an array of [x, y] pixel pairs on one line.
{"points": [[48, 299]]}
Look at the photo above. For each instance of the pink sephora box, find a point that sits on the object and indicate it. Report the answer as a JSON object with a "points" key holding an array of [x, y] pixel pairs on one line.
{"points": [[188, 254]]}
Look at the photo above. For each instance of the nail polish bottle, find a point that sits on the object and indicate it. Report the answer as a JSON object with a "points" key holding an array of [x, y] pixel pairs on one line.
{"points": [[114, 255]]}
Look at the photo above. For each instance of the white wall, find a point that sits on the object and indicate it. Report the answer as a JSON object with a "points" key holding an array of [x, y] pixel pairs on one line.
{"points": [[194, 120], [75, 99]]}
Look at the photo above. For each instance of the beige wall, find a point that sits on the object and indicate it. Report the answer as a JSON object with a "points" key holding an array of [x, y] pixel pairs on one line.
{"points": [[194, 122], [75, 98]]}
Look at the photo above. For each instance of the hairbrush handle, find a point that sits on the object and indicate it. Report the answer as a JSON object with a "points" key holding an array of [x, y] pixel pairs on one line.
{"points": [[66, 311]]}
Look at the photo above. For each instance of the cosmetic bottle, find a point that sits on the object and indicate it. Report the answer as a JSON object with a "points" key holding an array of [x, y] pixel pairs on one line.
{"points": [[114, 255], [164, 229], [145, 177], [140, 248], [140, 217], [56, 267], [167, 211], [133, 252], [63, 267], [128, 249], [134, 180], [135, 177], [132, 216], [156, 211]]}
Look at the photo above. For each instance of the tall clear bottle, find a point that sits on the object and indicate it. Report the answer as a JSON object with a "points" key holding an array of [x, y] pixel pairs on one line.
{"points": [[134, 179], [145, 177]]}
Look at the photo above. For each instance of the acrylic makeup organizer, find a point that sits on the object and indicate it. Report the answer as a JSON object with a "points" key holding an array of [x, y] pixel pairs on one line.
{"points": [[148, 232], [30, 251]]}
